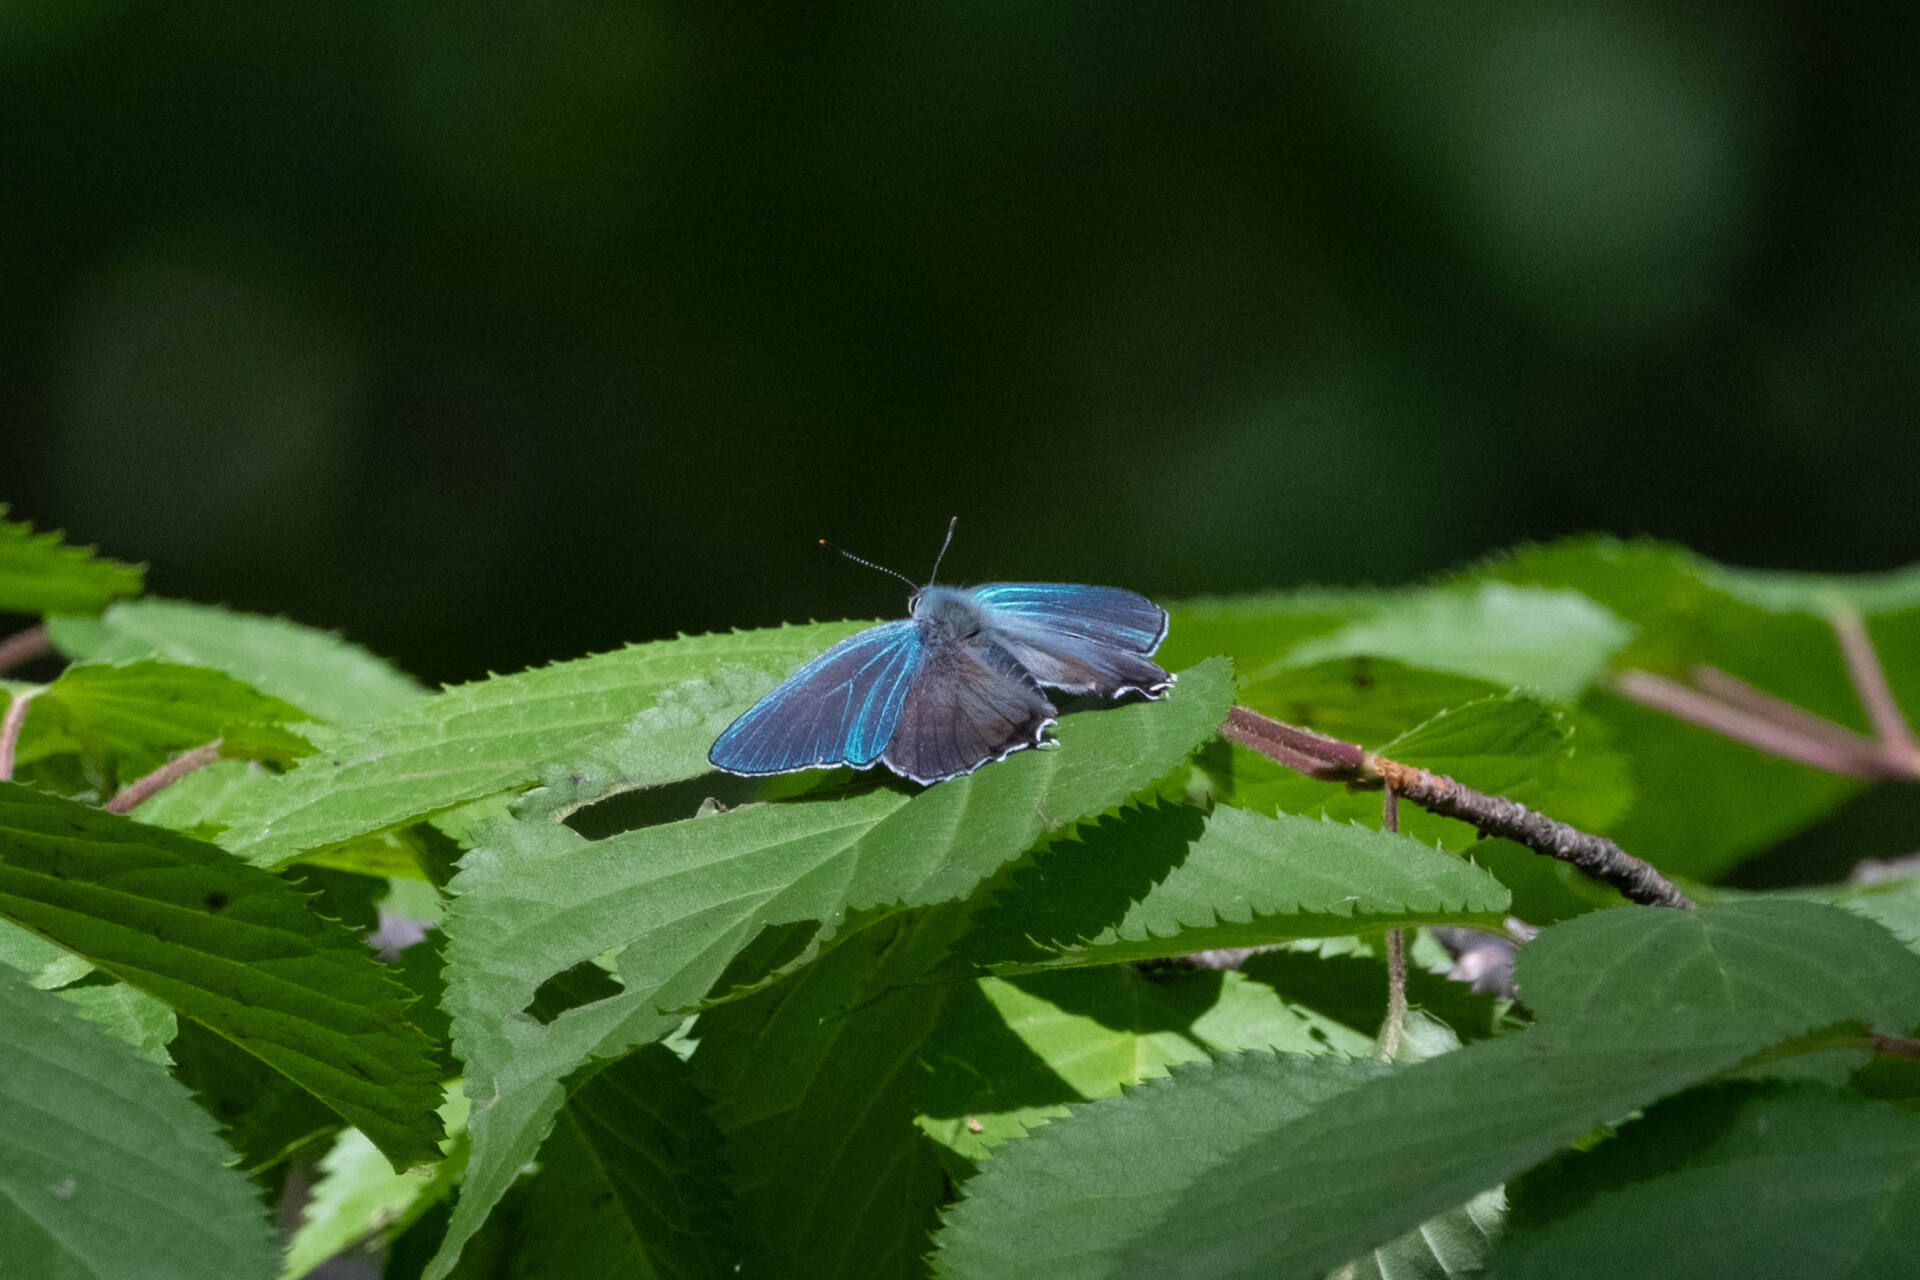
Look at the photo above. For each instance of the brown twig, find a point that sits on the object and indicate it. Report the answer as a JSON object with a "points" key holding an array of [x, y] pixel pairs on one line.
{"points": [[10, 725], [1391, 1033], [1899, 1046], [1735, 709], [24, 646], [1852, 754], [1897, 742], [1314, 754], [1731, 689], [1336, 761], [165, 776]]}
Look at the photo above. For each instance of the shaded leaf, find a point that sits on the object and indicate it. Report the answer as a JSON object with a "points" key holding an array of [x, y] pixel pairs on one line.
{"points": [[1731, 1182], [632, 1180], [39, 573], [264, 1115], [1165, 881], [107, 1170], [815, 1083], [230, 947]]}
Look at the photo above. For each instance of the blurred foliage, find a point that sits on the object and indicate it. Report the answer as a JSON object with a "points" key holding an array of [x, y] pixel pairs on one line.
{"points": [[491, 335]]}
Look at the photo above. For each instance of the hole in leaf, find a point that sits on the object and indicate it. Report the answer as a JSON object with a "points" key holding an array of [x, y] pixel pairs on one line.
{"points": [[584, 984]]}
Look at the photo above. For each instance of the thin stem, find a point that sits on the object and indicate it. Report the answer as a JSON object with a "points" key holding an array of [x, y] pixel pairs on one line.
{"points": [[24, 646], [1897, 741], [165, 776], [1338, 761], [1734, 691], [1900, 1046], [1864, 760], [10, 725], [1313, 754], [1395, 1029]]}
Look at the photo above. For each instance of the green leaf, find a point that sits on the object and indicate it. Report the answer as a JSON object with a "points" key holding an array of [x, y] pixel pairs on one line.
{"points": [[632, 1181], [127, 1013], [107, 1170], [1350, 988], [1010, 1054], [359, 1195], [1894, 904], [499, 735], [317, 671], [1362, 699], [1161, 882], [815, 1084], [681, 901], [1454, 1244], [129, 719], [1633, 1005], [1553, 642], [230, 947], [1258, 631], [1783, 591], [1064, 1203], [1772, 967], [264, 1116], [41, 574], [1704, 801], [1511, 745], [1729, 1183]]}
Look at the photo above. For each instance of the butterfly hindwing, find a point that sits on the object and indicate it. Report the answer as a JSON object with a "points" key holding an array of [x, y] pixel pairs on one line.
{"points": [[840, 708], [968, 705], [1079, 638]]}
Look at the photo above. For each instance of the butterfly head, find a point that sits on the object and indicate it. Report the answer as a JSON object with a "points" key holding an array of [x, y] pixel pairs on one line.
{"points": [[946, 613]]}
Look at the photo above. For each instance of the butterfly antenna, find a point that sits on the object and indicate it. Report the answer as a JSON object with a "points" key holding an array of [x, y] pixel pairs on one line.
{"points": [[934, 576], [870, 564]]}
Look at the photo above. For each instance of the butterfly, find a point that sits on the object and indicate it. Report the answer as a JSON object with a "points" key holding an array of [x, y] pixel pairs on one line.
{"points": [[955, 684]]}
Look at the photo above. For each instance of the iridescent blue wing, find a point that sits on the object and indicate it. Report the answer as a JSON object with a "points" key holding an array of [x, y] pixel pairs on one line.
{"points": [[1079, 638], [841, 708], [971, 703]]}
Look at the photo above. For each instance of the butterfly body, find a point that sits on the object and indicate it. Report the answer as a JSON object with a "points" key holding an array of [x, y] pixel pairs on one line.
{"points": [[956, 684]]}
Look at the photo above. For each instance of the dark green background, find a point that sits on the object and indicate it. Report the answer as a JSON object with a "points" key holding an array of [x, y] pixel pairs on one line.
{"points": [[496, 333]]}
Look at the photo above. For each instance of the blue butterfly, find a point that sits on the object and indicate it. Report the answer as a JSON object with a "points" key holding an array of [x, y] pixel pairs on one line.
{"points": [[955, 684]]}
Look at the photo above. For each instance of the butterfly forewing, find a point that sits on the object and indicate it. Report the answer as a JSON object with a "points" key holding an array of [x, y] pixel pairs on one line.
{"points": [[841, 708]]}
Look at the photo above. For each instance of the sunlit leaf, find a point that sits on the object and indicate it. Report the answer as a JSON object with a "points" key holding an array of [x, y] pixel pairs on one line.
{"points": [[500, 734], [317, 671]]}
